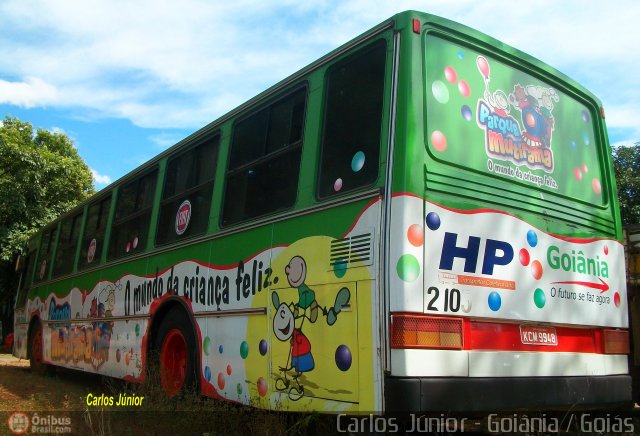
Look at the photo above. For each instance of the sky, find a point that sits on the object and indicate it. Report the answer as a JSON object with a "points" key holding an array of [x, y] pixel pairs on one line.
{"points": [[127, 79]]}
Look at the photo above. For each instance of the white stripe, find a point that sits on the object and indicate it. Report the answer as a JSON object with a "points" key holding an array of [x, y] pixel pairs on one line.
{"points": [[436, 363], [454, 363], [528, 364]]}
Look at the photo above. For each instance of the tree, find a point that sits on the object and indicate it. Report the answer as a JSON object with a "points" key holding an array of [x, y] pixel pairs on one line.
{"points": [[41, 176], [626, 163]]}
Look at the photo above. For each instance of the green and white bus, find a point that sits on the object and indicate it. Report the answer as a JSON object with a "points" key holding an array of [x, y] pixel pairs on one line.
{"points": [[424, 219]]}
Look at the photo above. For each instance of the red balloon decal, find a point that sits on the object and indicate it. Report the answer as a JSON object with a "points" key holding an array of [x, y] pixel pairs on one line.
{"points": [[483, 66]]}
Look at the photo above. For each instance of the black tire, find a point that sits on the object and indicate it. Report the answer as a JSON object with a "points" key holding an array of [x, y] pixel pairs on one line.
{"points": [[36, 350], [177, 319]]}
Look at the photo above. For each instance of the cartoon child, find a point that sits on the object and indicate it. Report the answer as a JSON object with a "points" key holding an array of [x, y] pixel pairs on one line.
{"points": [[108, 299], [111, 302], [289, 320], [93, 310], [548, 97], [500, 103], [284, 328], [296, 272]]}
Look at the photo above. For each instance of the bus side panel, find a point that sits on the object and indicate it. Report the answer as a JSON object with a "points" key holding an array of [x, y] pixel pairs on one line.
{"points": [[325, 293], [20, 333], [83, 325]]}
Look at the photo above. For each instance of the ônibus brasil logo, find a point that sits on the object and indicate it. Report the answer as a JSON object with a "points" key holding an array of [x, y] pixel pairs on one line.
{"points": [[182, 217], [18, 423]]}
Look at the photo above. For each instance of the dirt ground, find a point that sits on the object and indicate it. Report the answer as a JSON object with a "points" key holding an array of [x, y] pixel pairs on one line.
{"points": [[58, 402], [23, 390], [61, 398]]}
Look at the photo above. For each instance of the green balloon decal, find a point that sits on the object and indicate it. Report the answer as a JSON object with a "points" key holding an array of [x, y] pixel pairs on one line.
{"points": [[408, 268], [207, 345], [539, 298], [440, 91], [244, 349]]}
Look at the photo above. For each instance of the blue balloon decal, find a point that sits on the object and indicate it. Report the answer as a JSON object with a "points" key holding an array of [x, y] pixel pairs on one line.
{"points": [[494, 301], [357, 162], [433, 221]]}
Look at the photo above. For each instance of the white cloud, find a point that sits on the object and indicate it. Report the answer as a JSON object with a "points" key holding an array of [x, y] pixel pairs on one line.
{"points": [[28, 93], [100, 179], [167, 64]]}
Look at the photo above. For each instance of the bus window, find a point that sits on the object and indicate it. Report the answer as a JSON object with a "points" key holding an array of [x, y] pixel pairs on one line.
{"points": [[264, 161], [133, 215], [186, 197], [27, 271], [93, 239], [48, 239], [25, 280], [352, 122], [501, 120], [67, 243]]}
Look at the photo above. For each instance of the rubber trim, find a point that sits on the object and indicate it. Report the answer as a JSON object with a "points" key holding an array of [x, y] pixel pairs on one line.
{"points": [[492, 394]]}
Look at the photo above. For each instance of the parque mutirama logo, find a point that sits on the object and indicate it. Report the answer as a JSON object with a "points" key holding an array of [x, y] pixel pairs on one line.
{"points": [[18, 423]]}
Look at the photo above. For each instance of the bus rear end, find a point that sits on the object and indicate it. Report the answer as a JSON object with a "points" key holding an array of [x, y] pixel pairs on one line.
{"points": [[506, 280]]}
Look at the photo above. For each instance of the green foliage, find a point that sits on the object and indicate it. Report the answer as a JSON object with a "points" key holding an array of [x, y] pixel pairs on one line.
{"points": [[626, 162], [41, 176]]}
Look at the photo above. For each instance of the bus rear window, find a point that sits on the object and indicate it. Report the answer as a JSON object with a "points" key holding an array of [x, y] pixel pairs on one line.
{"points": [[498, 119]]}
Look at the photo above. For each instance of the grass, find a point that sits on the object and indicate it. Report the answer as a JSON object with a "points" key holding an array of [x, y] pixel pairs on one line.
{"points": [[64, 394], [193, 414]]}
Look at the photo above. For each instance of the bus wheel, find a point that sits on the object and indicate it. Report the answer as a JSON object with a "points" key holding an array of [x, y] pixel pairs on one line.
{"points": [[37, 351], [177, 359]]}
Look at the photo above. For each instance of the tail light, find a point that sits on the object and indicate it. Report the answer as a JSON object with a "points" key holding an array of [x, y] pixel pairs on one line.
{"points": [[615, 342], [420, 331]]}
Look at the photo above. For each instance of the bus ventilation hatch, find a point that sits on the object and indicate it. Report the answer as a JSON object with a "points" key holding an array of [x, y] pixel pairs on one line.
{"points": [[351, 252]]}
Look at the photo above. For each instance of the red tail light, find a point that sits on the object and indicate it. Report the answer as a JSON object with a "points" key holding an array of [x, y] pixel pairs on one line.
{"points": [[615, 342], [420, 331]]}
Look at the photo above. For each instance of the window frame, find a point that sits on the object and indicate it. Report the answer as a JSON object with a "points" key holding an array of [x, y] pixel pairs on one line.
{"points": [[113, 254], [216, 139], [69, 246], [52, 231], [268, 156], [348, 57], [97, 259]]}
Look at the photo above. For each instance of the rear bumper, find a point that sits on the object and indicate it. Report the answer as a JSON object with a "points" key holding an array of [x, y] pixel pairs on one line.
{"points": [[494, 394]]}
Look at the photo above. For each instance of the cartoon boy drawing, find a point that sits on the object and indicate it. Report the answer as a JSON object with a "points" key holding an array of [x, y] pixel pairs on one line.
{"points": [[284, 328], [296, 272], [108, 299], [289, 320]]}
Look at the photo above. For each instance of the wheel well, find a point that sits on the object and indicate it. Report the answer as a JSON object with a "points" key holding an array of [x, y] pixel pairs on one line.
{"points": [[34, 321], [156, 321]]}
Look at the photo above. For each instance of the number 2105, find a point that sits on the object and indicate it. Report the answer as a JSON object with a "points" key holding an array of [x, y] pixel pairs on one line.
{"points": [[451, 299]]}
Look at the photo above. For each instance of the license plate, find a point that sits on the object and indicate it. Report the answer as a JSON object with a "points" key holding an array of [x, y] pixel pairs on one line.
{"points": [[538, 335]]}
